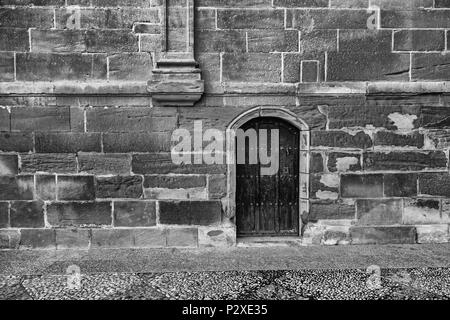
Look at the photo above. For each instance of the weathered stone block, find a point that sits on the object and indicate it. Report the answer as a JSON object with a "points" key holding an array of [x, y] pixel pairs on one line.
{"points": [[147, 28], [174, 182], [324, 186], [217, 186], [62, 41], [131, 119], [327, 19], [379, 212], [313, 41], [76, 188], [149, 238], [250, 19], [112, 238], [62, 142], [388, 138], [7, 66], [441, 4], [175, 187], [220, 41], [52, 163], [341, 139], [402, 5], [16, 141], [182, 237], [301, 3], [216, 237], [14, 39], [400, 185], [433, 233], [113, 18], [336, 235], [363, 66], [130, 66], [150, 43], [4, 215], [362, 186], [8, 164], [37, 239], [72, 238], [310, 71], [119, 187], [373, 41], [235, 3], [111, 41], [161, 163], [16, 187], [105, 163], [330, 209], [45, 187], [406, 161], [5, 120], [423, 211], [190, 212], [9, 239], [435, 117], [134, 214], [418, 19], [253, 67], [434, 184], [315, 163], [205, 18], [23, 17], [430, 66], [349, 3], [136, 142], [36, 119], [343, 162], [33, 66], [383, 235], [419, 40], [273, 41], [79, 214]]}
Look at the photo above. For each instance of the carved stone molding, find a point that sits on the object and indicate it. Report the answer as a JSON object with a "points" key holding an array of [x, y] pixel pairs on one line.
{"points": [[177, 77]]}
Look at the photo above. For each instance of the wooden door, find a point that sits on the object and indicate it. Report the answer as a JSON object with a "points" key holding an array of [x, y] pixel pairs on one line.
{"points": [[268, 205]]}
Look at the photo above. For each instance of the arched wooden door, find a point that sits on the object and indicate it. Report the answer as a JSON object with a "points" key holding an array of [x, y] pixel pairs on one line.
{"points": [[268, 205]]}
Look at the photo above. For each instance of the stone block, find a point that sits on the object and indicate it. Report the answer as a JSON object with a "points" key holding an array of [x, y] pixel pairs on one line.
{"points": [[182, 237], [190, 212], [105, 163], [362, 186], [134, 214], [383, 235], [76, 188], [405, 161], [37, 239], [79, 214], [379, 212], [119, 187], [46, 142], [17, 187], [51, 163], [73, 238]]}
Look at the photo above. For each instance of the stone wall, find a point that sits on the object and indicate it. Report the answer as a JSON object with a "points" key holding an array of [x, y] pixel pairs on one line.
{"points": [[85, 152]]}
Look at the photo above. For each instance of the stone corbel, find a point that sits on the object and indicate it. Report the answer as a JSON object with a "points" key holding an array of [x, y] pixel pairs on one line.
{"points": [[177, 77]]}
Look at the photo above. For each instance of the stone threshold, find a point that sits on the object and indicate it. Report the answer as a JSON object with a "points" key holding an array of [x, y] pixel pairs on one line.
{"points": [[140, 88], [249, 242]]}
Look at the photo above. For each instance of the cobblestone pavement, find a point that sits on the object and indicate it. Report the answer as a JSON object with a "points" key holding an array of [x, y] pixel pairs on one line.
{"points": [[424, 283]]}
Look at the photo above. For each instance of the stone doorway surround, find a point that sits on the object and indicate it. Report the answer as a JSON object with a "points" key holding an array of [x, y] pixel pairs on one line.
{"points": [[304, 149]]}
